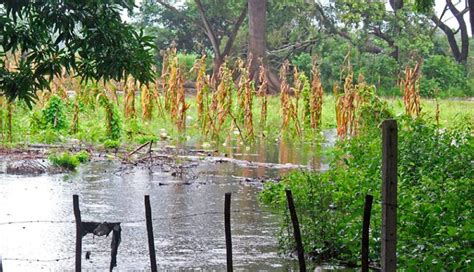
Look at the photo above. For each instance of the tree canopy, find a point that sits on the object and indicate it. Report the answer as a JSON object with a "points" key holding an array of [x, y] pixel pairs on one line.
{"points": [[87, 38]]}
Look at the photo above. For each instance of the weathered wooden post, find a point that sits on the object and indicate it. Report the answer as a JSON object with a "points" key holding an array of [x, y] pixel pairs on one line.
{"points": [[77, 215], [296, 230], [389, 195], [1, 266], [228, 236], [365, 233], [151, 239]]}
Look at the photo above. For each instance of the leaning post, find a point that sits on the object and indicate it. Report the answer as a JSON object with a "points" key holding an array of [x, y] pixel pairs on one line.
{"points": [[296, 230], [77, 215], [389, 195]]}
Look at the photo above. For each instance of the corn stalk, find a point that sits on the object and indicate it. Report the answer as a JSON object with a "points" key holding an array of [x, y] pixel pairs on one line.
{"points": [[146, 100], [411, 90], [262, 92], [316, 98]]}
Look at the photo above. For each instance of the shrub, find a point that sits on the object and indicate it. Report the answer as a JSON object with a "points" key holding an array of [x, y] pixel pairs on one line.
{"points": [[381, 71], [435, 192], [53, 114], [304, 63], [444, 73]]}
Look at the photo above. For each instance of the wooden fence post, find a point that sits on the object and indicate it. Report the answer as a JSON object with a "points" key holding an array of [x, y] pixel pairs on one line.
{"points": [[77, 215], [365, 233], [228, 236], [149, 229], [296, 230], [389, 195], [1, 266]]}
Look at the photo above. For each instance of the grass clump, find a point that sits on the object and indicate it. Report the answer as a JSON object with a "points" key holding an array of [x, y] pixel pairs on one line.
{"points": [[69, 161], [83, 156], [111, 144], [65, 160]]}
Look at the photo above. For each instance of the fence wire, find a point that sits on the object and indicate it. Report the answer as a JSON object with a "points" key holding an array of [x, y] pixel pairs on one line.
{"points": [[140, 220]]}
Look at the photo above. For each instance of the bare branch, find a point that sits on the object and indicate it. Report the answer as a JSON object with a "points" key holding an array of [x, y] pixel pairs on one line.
{"points": [[180, 14], [209, 31], [235, 30]]}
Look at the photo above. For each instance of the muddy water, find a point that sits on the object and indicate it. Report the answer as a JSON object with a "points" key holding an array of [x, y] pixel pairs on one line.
{"points": [[188, 225]]}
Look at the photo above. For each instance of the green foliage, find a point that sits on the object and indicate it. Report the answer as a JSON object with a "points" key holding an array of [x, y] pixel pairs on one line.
{"points": [[381, 71], [113, 120], [82, 156], [304, 63], [54, 113], [65, 160], [111, 144], [435, 193], [88, 37], [186, 63], [443, 73]]}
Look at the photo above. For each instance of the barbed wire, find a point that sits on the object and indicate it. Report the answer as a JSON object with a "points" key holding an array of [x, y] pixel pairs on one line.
{"points": [[39, 260], [140, 220]]}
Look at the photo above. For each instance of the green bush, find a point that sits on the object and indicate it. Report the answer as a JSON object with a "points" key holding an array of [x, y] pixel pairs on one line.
{"points": [[381, 71], [444, 75], [435, 199], [303, 62], [54, 113]]}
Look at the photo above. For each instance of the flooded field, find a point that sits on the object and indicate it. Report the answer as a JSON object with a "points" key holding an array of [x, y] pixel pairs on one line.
{"points": [[187, 210]]}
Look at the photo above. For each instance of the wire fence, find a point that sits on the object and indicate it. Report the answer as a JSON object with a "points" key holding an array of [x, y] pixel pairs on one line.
{"points": [[131, 221]]}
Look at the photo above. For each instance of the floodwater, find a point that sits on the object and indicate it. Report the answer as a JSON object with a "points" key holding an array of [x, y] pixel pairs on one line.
{"points": [[187, 210]]}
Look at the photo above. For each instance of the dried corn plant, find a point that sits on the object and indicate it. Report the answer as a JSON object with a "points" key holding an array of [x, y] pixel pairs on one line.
{"points": [[129, 98], [146, 100], [221, 105], [169, 78], [201, 86], [297, 88], [288, 110], [410, 86], [346, 108], [245, 93], [285, 100], [316, 98], [262, 92], [181, 105]]}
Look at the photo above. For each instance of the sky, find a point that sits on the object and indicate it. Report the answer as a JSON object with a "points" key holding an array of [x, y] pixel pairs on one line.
{"points": [[439, 6]]}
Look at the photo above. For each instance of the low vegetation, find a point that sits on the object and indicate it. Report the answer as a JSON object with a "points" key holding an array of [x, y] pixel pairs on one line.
{"points": [[435, 198], [69, 161]]}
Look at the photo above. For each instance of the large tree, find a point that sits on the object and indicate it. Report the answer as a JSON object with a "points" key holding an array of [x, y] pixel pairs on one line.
{"points": [[220, 23], [88, 38]]}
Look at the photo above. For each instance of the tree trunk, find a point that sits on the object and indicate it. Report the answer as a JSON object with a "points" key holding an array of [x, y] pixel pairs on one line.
{"points": [[257, 25], [460, 54], [257, 10], [471, 16]]}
